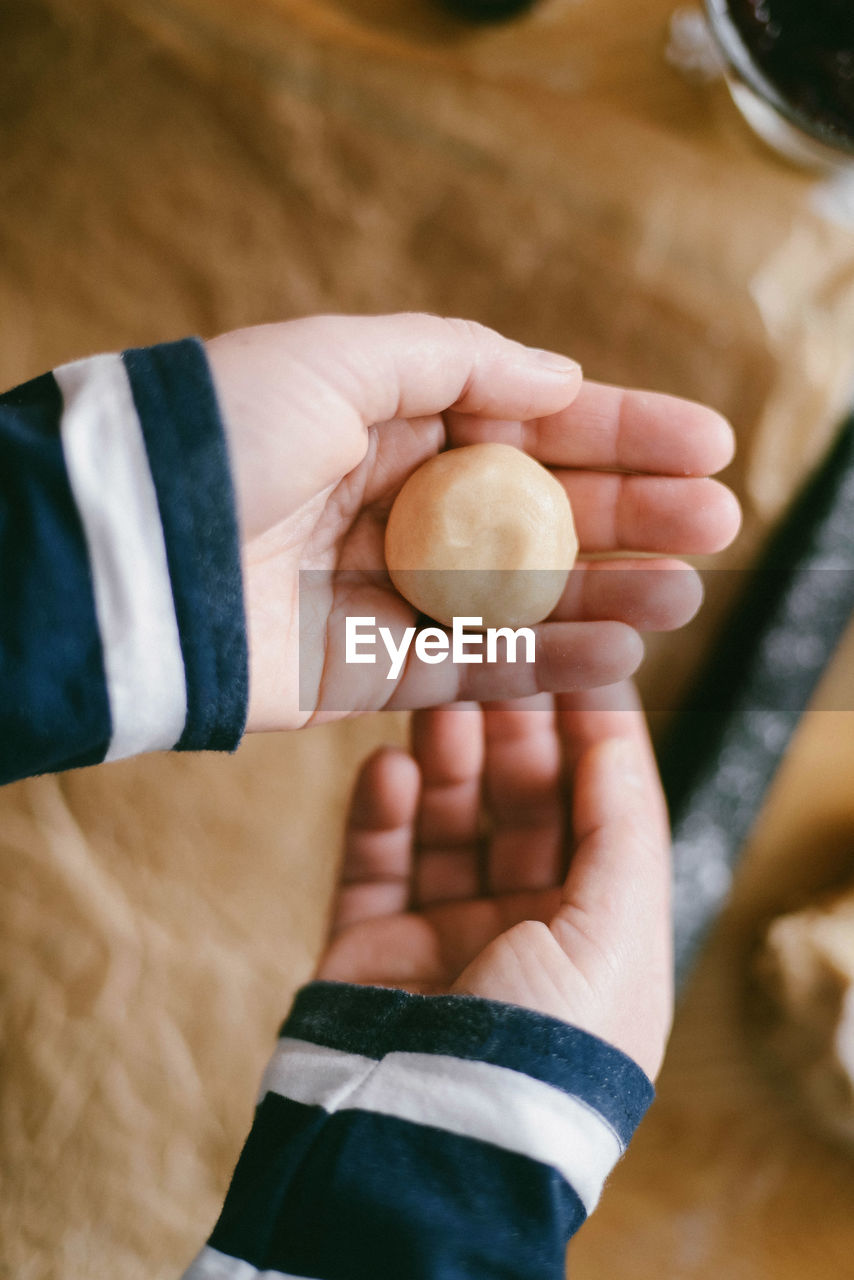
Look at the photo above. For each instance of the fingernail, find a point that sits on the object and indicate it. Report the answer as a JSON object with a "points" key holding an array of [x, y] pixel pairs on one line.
{"points": [[553, 362]]}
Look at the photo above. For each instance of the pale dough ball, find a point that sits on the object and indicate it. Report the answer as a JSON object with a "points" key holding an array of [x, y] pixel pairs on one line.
{"points": [[806, 972], [482, 531]]}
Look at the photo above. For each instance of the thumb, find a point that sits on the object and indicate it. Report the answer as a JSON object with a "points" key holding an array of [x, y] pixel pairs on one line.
{"points": [[413, 364], [410, 365], [298, 397], [618, 883], [614, 920]]}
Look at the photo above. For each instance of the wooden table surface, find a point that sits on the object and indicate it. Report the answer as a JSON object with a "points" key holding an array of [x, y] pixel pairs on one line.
{"points": [[174, 166]]}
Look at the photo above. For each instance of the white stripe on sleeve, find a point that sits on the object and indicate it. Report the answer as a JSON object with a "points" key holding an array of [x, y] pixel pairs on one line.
{"points": [[111, 482], [472, 1099], [210, 1264]]}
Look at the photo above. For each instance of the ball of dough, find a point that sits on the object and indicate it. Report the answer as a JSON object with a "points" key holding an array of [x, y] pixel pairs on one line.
{"points": [[481, 531]]}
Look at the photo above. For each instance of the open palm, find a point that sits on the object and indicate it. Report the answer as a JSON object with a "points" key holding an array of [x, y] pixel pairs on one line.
{"points": [[520, 853], [326, 419]]}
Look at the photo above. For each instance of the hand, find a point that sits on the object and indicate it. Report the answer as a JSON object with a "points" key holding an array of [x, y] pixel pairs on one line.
{"points": [[520, 853], [326, 417]]}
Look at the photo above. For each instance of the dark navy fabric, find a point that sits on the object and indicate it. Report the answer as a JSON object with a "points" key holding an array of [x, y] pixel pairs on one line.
{"points": [[362, 1196], [373, 1021], [357, 1195], [54, 705], [185, 441], [54, 711]]}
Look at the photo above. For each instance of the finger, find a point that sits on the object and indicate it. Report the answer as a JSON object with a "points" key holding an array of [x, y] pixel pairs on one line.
{"points": [[553, 657], [524, 794], [411, 365], [648, 594], [651, 513], [448, 744], [634, 431], [377, 865], [614, 428], [567, 656]]}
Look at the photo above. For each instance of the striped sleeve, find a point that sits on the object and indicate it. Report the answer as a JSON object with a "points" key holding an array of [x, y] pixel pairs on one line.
{"points": [[121, 614], [429, 1137]]}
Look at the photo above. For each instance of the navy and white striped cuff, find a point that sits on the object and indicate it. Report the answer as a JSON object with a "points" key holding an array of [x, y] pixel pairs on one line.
{"points": [[146, 459], [213, 1265], [394, 1127]]}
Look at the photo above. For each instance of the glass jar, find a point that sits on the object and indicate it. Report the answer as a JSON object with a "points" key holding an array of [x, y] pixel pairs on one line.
{"points": [[789, 65]]}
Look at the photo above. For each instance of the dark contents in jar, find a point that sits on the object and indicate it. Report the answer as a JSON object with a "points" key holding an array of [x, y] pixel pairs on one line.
{"points": [[487, 10], [806, 49]]}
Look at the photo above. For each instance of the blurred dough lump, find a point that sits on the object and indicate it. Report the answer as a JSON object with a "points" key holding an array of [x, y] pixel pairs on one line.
{"points": [[805, 969]]}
